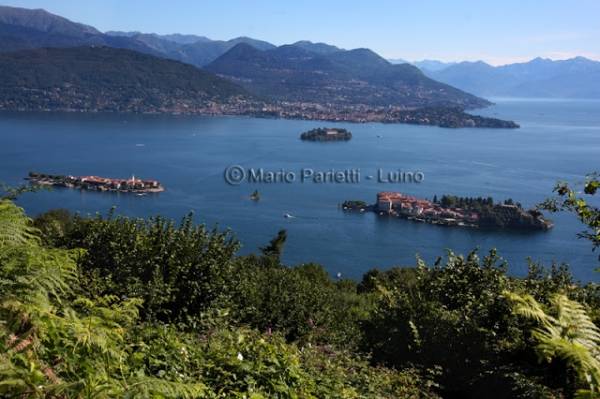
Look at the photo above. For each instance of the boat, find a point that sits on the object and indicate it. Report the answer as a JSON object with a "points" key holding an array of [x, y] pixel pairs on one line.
{"points": [[288, 216]]}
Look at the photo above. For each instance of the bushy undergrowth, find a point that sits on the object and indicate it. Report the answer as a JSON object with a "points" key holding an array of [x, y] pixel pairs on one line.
{"points": [[117, 307], [72, 325]]}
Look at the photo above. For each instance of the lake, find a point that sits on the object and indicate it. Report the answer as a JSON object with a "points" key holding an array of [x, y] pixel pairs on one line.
{"points": [[558, 140]]}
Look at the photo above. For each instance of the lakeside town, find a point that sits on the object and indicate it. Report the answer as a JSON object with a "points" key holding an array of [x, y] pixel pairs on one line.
{"points": [[97, 183], [69, 99], [455, 211], [442, 116]]}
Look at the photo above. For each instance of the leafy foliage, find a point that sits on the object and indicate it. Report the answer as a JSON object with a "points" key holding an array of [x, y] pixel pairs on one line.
{"points": [[15, 228], [60, 336], [567, 333], [453, 319], [53, 341], [178, 272], [301, 303], [569, 199]]}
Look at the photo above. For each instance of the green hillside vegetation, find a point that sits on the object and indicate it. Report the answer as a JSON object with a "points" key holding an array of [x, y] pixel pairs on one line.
{"points": [[110, 306], [104, 78]]}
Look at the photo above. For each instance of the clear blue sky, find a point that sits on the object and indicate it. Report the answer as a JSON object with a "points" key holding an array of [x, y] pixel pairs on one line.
{"points": [[500, 31]]}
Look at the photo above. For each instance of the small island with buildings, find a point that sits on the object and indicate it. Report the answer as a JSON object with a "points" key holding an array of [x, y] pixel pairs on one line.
{"points": [[97, 183], [326, 134], [455, 211]]}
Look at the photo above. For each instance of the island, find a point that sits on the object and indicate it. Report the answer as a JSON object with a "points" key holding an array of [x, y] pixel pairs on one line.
{"points": [[326, 134], [455, 211], [97, 183]]}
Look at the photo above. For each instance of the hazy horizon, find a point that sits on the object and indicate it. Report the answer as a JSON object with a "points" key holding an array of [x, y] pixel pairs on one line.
{"points": [[464, 30]]}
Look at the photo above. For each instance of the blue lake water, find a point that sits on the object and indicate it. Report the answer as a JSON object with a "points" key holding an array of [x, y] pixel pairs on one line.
{"points": [[558, 140]]}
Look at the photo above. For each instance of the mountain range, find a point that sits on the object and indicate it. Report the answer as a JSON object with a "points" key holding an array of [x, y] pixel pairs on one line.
{"points": [[302, 72], [292, 73], [195, 50], [22, 28], [577, 77]]}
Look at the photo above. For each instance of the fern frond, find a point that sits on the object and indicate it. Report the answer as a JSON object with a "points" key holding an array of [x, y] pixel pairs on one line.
{"points": [[15, 227], [570, 334], [528, 307], [147, 387]]}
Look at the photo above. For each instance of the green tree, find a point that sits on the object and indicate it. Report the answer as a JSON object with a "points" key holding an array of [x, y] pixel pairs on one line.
{"points": [[572, 200], [275, 248], [178, 271]]}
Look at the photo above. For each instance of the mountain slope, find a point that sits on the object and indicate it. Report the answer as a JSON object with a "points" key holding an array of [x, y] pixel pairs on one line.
{"points": [[319, 48], [22, 28], [573, 78], [175, 37], [432, 65], [106, 79], [43, 21], [354, 77], [195, 50]]}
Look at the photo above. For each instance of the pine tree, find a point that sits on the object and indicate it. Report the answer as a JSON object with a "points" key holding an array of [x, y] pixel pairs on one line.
{"points": [[275, 247]]}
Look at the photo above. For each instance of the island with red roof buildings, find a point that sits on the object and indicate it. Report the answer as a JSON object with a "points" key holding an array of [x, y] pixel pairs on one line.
{"points": [[97, 183], [455, 211]]}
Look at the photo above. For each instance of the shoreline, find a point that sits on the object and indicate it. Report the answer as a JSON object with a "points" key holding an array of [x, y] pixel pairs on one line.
{"points": [[442, 117]]}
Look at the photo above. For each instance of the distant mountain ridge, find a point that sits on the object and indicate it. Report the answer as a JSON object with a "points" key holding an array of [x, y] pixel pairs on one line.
{"points": [[175, 37], [432, 65], [22, 28], [577, 77], [353, 77], [192, 49], [44, 21], [319, 48]]}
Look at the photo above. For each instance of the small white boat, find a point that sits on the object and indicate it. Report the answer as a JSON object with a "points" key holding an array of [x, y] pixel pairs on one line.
{"points": [[288, 216]]}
